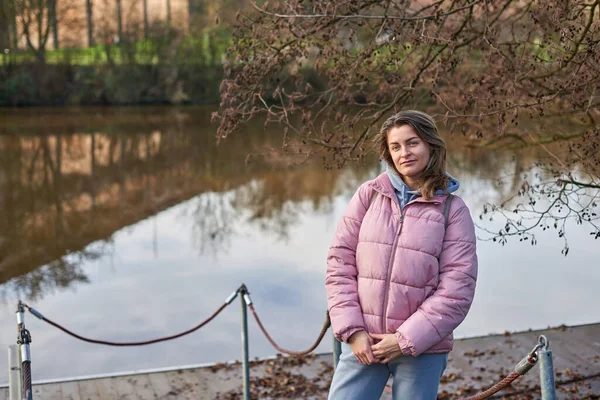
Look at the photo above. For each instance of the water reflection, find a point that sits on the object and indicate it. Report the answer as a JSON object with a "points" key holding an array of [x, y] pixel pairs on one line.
{"points": [[68, 180], [61, 192], [137, 217]]}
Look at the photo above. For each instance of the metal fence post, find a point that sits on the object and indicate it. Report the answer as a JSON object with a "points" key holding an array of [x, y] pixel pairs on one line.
{"points": [[24, 339], [14, 373], [337, 350], [547, 382], [245, 367]]}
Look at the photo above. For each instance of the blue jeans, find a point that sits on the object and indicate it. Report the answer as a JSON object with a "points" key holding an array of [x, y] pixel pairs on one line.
{"points": [[415, 378]]}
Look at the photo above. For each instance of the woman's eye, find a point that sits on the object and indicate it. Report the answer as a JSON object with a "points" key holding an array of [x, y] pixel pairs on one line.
{"points": [[413, 143]]}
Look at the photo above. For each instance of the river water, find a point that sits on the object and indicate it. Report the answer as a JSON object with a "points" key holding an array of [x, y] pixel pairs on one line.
{"points": [[128, 224]]}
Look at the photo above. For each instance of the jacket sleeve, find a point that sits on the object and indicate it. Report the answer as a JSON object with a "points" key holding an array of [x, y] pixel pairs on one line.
{"points": [[447, 307], [341, 277]]}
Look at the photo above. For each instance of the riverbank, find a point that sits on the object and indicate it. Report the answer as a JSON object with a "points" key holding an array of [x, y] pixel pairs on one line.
{"points": [[29, 85], [475, 364], [25, 85]]}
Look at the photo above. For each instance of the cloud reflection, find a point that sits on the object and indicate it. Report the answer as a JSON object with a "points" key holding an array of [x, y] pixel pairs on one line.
{"points": [[164, 225]]}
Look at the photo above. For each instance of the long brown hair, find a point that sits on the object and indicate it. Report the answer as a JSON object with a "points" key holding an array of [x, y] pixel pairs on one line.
{"points": [[434, 176]]}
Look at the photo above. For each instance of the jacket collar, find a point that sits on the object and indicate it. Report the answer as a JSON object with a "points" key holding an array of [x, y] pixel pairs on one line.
{"points": [[383, 185]]}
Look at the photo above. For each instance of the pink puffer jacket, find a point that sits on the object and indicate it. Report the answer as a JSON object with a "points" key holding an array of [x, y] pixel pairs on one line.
{"points": [[383, 274]]}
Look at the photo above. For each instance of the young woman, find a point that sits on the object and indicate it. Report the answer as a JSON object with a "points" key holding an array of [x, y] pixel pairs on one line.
{"points": [[400, 277]]}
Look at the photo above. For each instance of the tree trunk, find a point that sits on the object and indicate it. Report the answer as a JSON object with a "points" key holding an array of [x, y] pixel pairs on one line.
{"points": [[169, 13], [146, 25], [13, 25], [212, 48], [60, 220], [90, 22], [4, 26], [53, 21], [92, 178], [40, 56], [119, 22], [197, 12]]}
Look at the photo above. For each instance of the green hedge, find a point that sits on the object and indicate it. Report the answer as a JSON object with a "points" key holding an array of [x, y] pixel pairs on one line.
{"points": [[25, 85]]}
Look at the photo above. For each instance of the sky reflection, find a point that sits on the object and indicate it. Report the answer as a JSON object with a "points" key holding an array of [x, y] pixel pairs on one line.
{"points": [[155, 281], [226, 224]]}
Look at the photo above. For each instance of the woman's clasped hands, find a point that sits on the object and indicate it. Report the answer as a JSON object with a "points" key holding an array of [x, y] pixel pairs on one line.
{"points": [[374, 348]]}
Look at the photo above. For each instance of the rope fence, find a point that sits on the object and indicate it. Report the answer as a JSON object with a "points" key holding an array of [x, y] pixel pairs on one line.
{"points": [[280, 349], [124, 344], [540, 351]]}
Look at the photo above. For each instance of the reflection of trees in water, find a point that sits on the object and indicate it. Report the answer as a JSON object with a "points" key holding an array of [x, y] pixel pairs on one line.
{"points": [[501, 170], [532, 193], [489, 169], [60, 273], [214, 218], [59, 192], [273, 202], [277, 200], [62, 192]]}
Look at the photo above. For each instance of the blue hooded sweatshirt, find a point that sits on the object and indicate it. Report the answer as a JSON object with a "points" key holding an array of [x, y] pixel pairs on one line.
{"points": [[405, 195]]}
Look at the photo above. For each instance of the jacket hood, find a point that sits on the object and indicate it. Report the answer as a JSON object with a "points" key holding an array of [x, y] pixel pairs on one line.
{"points": [[453, 185], [405, 194]]}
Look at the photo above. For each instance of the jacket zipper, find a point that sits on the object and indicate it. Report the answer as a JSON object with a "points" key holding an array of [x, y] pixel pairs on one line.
{"points": [[391, 264], [389, 272]]}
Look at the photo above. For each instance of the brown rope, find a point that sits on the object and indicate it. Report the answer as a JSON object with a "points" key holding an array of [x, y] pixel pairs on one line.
{"points": [[26, 367], [483, 395], [496, 388], [326, 326], [200, 325]]}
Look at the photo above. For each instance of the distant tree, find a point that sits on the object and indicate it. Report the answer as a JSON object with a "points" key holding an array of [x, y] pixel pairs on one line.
{"points": [[35, 19], [146, 21], [488, 65], [5, 13], [168, 5], [119, 20], [89, 13], [8, 25], [53, 21], [13, 24], [197, 10], [211, 20]]}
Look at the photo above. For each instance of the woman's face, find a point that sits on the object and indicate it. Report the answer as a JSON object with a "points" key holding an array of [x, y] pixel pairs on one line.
{"points": [[409, 152]]}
